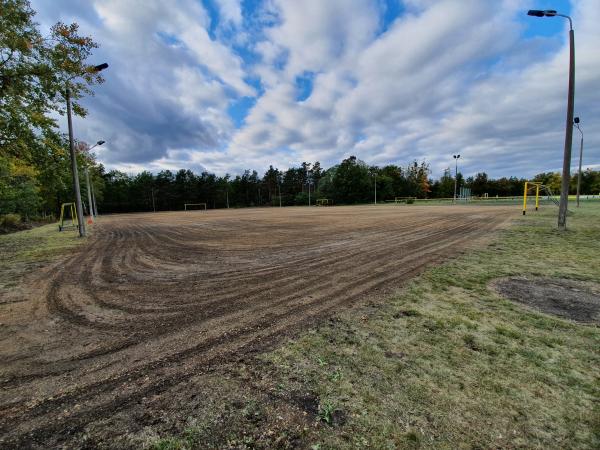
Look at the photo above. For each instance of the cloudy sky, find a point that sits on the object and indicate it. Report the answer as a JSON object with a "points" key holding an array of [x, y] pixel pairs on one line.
{"points": [[225, 85]]}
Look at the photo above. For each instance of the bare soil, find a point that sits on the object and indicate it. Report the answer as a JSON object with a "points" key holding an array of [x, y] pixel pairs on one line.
{"points": [[569, 299], [108, 340]]}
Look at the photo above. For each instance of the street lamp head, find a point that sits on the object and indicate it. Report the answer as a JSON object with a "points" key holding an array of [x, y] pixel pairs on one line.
{"points": [[536, 13], [540, 13], [456, 156], [100, 67], [576, 120], [100, 142]]}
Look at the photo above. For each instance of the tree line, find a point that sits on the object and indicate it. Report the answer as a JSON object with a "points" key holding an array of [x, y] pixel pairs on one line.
{"points": [[35, 173], [350, 182]]}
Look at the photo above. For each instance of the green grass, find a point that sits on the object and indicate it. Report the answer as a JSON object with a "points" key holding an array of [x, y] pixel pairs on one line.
{"points": [[25, 251], [446, 362]]}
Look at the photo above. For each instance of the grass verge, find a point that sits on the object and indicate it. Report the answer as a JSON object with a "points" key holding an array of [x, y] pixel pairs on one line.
{"points": [[444, 363], [28, 250]]}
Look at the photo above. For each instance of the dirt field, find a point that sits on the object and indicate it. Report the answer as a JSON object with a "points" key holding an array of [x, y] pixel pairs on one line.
{"points": [[155, 299]]}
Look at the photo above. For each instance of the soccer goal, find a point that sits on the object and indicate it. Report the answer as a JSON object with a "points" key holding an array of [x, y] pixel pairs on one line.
{"points": [[538, 188], [68, 217], [324, 202], [195, 206]]}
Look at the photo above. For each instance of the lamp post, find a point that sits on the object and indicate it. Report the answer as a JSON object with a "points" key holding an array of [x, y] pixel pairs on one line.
{"points": [[375, 186], [74, 172], [455, 175], [90, 192], [279, 189], [576, 123], [566, 173]]}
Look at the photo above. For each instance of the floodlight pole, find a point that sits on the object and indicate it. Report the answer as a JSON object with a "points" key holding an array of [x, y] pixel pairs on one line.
{"points": [[455, 175], [94, 201], [375, 185], [74, 172], [566, 173], [90, 188], [576, 122], [566, 180], [89, 193], [279, 188]]}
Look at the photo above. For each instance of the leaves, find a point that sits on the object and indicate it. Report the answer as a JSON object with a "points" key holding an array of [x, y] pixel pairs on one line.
{"points": [[34, 71]]}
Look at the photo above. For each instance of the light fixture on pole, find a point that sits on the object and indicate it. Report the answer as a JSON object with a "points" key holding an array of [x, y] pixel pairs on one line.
{"points": [[456, 157], [566, 173], [74, 171], [576, 123]]}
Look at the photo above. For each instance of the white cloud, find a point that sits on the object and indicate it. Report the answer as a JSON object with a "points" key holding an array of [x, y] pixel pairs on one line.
{"points": [[445, 77], [231, 11]]}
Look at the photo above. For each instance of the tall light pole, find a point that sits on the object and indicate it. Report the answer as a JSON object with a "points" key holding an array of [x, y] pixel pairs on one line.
{"points": [[279, 189], [74, 172], [566, 173], [91, 198], [576, 123], [375, 185], [455, 175]]}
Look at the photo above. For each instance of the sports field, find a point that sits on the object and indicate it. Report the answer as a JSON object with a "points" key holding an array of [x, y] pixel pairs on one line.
{"points": [[152, 300]]}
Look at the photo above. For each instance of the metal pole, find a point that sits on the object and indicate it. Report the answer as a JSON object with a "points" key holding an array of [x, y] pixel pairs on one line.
{"points": [[153, 204], [279, 187], [579, 174], [375, 188], [455, 178], [566, 174], [308, 194], [94, 201], [227, 196], [89, 192], [74, 172]]}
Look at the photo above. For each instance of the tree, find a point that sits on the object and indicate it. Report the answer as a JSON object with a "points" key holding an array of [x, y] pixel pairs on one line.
{"points": [[479, 185], [34, 71], [352, 182]]}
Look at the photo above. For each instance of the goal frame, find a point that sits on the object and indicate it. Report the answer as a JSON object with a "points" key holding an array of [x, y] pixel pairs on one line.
{"points": [[185, 206], [62, 222]]}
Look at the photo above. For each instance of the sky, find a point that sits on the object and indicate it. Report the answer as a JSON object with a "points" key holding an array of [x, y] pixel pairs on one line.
{"points": [[229, 85]]}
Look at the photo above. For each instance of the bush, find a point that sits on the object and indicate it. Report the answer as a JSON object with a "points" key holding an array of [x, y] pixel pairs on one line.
{"points": [[410, 201], [11, 222]]}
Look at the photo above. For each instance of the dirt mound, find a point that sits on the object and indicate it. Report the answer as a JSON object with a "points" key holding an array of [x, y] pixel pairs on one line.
{"points": [[569, 299]]}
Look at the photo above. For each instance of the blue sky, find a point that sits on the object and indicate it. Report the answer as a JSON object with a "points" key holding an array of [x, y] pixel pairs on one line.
{"points": [[228, 85]]}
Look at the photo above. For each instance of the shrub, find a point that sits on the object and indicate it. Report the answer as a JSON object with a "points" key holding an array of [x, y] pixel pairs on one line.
{"points": [[10, 220]]}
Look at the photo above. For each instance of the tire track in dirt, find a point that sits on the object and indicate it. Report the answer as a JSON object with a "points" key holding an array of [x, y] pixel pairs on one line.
{"points": [[167, 298]]}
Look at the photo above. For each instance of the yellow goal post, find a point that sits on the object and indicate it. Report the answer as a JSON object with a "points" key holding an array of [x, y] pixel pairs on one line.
{"points": [[537, 186], [67, 214]]}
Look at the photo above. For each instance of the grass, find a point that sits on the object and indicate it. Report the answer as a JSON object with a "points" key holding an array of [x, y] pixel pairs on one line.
{"points": [[443, 363], [446, 362], [25, 251]]}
